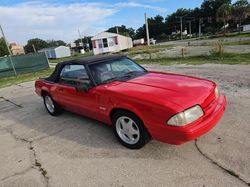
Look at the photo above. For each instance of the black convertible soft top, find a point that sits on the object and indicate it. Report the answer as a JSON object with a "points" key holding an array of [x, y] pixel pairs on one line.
{"points": [[81, 61]]}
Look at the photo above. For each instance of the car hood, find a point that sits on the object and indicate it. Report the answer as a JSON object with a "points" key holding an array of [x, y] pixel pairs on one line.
{"points": [[162, 88]]}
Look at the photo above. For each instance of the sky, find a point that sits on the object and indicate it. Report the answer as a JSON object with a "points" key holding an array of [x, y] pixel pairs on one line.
{"points": [[61, 19]]}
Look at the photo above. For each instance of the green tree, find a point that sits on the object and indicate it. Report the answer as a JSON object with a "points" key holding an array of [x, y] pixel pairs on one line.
{"points": [[209, 13], [173, 21], [55, 43], [209, 9], [224, 13], [3, 47], [38, 43], [157, 27], [86, 39], [141, 32], [241, 10], [123, 30], [246, 21]]}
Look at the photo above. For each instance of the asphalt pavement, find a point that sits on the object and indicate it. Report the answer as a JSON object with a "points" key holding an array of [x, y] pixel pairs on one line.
{"points": [[37, 149]]}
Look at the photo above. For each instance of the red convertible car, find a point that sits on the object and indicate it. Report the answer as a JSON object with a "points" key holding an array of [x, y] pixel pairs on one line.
{"points": [[137, 103]]}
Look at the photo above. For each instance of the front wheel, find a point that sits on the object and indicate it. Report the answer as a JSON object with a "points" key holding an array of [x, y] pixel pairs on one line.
{"points": [[129, 130], [51, 106]]}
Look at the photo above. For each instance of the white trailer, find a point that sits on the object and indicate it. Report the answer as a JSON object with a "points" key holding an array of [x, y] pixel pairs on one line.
{"points": [[246, 28], [57, 52], [139, 41], [106, 42]]}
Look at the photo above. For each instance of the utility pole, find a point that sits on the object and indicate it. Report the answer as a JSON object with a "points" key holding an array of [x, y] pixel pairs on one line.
{"points": [[6, 43], [190, 29], [34, 48], [147, 31], [80, 37], [117, 30], [181, 26], [10, 53], [199, 28], [87, 45]]}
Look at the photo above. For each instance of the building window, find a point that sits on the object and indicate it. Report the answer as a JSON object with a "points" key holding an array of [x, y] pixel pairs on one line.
{"points": [[105, 42]]}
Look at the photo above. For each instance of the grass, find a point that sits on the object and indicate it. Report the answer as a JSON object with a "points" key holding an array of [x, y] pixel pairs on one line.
{"points": [[231, 35], [245, 42], [226, 58], [7, 81], [225, 43], [147, 49], [76, 56]]}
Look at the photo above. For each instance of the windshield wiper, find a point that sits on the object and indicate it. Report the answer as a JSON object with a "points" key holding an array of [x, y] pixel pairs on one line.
{"points": [[132, 73], [127, 75], [110, 80]]}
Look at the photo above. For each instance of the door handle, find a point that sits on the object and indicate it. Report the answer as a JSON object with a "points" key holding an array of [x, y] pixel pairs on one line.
{"points": [[60, 89]]}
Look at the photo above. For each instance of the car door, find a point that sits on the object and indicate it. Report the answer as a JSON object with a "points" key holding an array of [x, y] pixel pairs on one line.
{"points": [[81, 102]]}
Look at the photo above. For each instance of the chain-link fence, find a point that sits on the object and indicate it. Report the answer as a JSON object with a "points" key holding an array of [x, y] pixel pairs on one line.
{"points": [[9, 66]]}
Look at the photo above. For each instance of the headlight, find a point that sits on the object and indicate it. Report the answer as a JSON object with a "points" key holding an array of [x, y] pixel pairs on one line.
{"points": [[186, 117], [217, 92]]}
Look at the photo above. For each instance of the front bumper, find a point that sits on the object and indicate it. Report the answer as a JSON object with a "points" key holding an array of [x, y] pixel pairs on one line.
{"points": [[179, 135]]}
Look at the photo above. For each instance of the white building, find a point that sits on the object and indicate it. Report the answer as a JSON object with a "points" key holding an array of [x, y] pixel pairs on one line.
{"points": [[106, 42], [246, 28], [179, 32], [139, 42], [57, 52], [16, 49]]}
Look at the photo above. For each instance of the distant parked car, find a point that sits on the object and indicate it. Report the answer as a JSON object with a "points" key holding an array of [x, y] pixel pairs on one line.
{"points": [[152, 41], [139, 104]]}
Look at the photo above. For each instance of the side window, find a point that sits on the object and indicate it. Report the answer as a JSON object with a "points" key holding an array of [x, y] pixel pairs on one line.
{"points": [[73, 75], [105, 42]]}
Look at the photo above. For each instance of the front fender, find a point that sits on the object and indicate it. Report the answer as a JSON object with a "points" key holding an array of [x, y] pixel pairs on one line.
{"points": [[129, 107], [152, 114]]}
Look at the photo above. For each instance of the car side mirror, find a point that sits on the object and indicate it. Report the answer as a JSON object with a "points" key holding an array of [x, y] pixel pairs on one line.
{"points": [[83, 87]]}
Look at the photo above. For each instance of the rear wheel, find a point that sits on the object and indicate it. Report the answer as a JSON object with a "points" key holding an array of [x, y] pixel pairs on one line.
{"points": [[129, 130], [51, 106]]}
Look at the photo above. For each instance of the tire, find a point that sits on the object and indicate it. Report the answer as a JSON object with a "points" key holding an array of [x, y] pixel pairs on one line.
{"points": [[129, 130], [51, 106]]}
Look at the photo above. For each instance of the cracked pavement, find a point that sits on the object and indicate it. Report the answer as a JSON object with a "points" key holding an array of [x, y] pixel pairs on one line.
{"points": [[37, 149]]}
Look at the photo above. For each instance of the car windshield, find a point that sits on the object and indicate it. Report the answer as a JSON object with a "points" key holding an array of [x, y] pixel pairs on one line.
{"points": [[116, 70]]}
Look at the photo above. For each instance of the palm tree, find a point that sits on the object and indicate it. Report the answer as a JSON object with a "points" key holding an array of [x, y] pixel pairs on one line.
{"points": [[224, 13], [241, 9]]}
